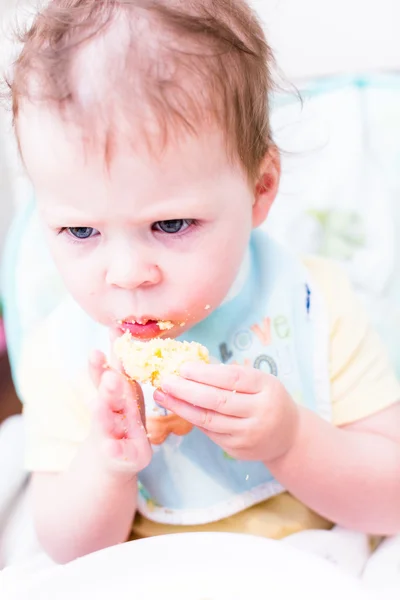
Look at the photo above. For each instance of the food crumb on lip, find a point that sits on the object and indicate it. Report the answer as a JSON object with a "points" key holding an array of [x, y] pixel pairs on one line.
{"points": [[207, 307], [162, 325], [165, 325]]}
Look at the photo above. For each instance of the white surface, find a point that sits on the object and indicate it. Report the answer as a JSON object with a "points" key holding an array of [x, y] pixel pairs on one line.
{"points": [[323, 37], [189, 567], [383, 568], [349, 550]]}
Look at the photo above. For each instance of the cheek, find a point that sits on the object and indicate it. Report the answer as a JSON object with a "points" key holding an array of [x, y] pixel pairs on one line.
{"points": [[205, 277], [83, 285], [80, 275]]}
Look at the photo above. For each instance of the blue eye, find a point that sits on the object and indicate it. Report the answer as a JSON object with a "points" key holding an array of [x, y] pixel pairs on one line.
{"points": [[82, 233], [173, 226]]}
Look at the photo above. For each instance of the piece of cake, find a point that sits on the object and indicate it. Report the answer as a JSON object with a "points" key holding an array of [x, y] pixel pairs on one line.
{"points": [[149, 362]]}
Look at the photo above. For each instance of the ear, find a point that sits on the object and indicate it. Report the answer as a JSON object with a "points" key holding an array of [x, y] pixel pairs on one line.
{"points": [[267, 185]]}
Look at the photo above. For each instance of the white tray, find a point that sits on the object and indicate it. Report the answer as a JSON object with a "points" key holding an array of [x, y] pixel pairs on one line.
{"points": [[198, 566]]}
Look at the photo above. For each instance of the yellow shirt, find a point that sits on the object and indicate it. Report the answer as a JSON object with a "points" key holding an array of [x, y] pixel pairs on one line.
{"points": [[58, 415]]}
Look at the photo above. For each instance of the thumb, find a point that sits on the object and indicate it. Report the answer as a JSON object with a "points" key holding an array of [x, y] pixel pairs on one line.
{"points": [[135, 386], [138, 393]]}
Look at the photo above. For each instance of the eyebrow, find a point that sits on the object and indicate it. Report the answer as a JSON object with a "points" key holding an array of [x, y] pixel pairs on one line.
{"points": [[66, 216]]}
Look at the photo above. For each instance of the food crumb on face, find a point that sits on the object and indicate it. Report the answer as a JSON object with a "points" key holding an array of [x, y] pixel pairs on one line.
{"points": [[207, 307], [247, 477], [165, 325]]}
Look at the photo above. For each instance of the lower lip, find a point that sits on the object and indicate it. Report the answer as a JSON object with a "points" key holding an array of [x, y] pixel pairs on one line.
{"points": [[143, 332]]}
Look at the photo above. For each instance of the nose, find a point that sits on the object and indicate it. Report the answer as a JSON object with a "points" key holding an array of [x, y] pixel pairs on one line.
{"points": [[130, 269]]}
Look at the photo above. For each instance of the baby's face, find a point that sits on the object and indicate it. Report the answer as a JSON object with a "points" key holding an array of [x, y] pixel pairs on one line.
{"points": [[146, 238]]}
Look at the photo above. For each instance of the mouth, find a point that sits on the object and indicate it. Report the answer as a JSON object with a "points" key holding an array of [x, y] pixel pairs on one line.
{"points": [[145, 329]]}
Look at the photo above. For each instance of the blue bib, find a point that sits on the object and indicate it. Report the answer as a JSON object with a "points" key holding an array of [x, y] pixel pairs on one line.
{"points": [[275, 323]]}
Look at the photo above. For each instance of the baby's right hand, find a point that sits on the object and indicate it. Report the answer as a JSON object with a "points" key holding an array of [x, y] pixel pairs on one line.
{"points": [[118, 422]]}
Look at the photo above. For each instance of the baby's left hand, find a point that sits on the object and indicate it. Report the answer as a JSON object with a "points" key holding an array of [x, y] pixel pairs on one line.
{"points": [[248, 413]]}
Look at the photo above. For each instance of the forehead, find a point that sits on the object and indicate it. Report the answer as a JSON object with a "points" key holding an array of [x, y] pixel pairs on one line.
{"points": [[59, 160]]}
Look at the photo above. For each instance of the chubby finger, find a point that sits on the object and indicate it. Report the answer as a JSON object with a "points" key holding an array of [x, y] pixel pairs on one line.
{"points": [[199, 417], [224, 401], [97, 366], [114, 424], [119, 406], [234, 378], [130, 455], [222, 440], [112, 392], [124, 425]]}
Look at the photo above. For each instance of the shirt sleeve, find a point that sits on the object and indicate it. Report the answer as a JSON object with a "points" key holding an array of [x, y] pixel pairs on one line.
{"points": [[361, 377], [56, 408]]}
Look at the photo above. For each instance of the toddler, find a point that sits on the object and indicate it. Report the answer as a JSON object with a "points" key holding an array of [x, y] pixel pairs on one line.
{"points": [[144, 128]]}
